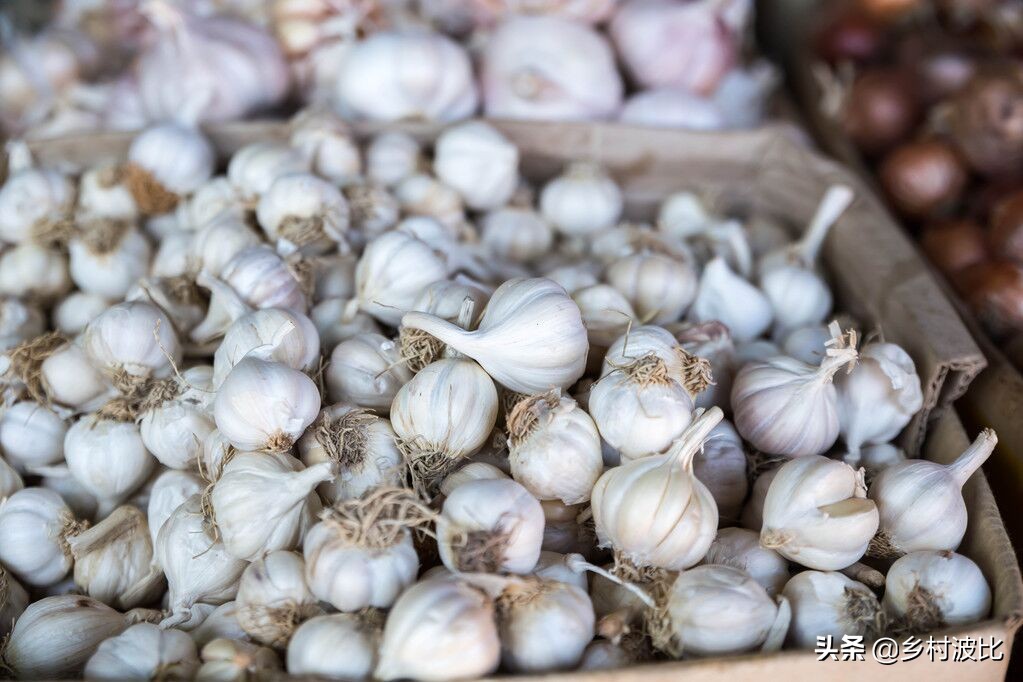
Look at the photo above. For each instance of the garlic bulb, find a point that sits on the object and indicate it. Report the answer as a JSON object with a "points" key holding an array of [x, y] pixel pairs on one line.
{"points": [[231, 660], [324, 140], [218, 242], [334, 277], [603, 654], [374, 210], [653, 511], [198, 567], [490, 526], [583, 200], [363, 446], [684, 214], [35, 272], [103, 193], [336, 646], [606, 314], [412, 73], [879, 396], [424, 195], [816, 514], [10, 481], [642, 342], [874, 458], [254, 167], [530, 339], [549, 68], [740, 548], [214, 199], [134, 338], [366, 370], [55, 636], [912, 495], [166, 163], [787, 407], [34, 526], [554, 448], [74, 312], [265, 501], [392, 272], [272, 334], [300, 211], [31, 436], [144, 651], [660, 287], [728, 298], [479, 162], [19, 322], [830, 604], [391, 157], [114, 560], [714, 610], [69, 378], [563, 568], [170, 490], [108, 458], [927, 591], [82, 503], [516, 234], [673, 108], [222, 622], [439, 629], [174, 428], [361, 553], [265, 405], [721, 466], [273, 598], [34, 202], [575, 276], [473, 471]]}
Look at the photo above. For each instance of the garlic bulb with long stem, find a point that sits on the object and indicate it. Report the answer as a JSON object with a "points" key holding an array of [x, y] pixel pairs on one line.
{"points": [[740, 548], [911, 497], [302, 212], [817, 514], [583, 200], [728, 298], [336, 646], [392, 271], [273, 334], [31, 435], [273, 598], [830, 604], [391, 157], [366, 370], [721, 466], [108, 458], [928, 590], [166, 163], [35, 524], [479, 162], [144, 651]]}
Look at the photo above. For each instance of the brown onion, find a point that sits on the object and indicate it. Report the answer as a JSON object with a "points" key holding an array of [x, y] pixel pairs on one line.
{"points": [[849, 36], [954, 245], [924, 178], [942, 64], [1006, 229], [994, 291], [881, 109], [987, 123]]}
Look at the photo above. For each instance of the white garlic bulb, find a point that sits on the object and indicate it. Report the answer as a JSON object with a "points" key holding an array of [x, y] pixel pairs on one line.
{"points": [[439, 629], [366, 370], [166, 163], [214, 199], [55, 636], [715, 610], [170, 490], [721, 466], [530, 339], [199, 568], [273, 334], [174, 428], [575, 276], [19, 322], [554, 448], [516, 234], [33, 271], [232, 660], [391, 157], [69, 378], [31, 435], [222, 622], [265, 501], [76, 310], [653, 510], [34, 202], [374, 209], [34, 526], [218, 242], [927, 591], [392, 272], [549, 68], [265, 405], [135, 338], [603, 654], [816, 513], [730, 299], [336, 646], [273, 598], [490, 526], [142, 652], [879, 396], [108, 458], [324, 140], [740, 548], [659, 286], [786, 407], [82, 503], [606, 313], [479, 162], [921, 503], [581, 201], [254, 167], [333, 320], [424, 195], [361, 553], [830, 604], [104, 193], [300, 211], [807, 344]]}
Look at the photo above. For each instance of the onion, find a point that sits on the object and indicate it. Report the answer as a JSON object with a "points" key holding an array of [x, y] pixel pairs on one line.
{"points": [[954, 245], [995, 292], [987, 123], [924, 178], [941, 64], [1006, 229], [849, 36], [881, 109]]}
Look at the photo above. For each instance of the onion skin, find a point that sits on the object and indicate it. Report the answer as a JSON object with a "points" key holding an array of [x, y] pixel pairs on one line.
{"points": [[954, 245], [881, 110], [1006, 228], [849, 36], [987, 123], [924, 178], [994, 291]]}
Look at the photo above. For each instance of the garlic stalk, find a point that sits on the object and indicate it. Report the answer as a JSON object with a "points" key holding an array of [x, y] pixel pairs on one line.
{"points": [[830, 604], [142, 652], [740, 548], [273, 598], [928, 590], [336, 646]]}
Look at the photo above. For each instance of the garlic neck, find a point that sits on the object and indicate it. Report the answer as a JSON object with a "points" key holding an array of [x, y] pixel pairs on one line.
{"points": [[691, 441], [832, 206], [302, 482], [973, 457]]}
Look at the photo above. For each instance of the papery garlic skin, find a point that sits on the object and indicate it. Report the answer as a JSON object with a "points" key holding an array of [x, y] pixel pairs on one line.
{"points": [[479, 162], [740, 548], [439, 629], [339, 646], [516, 234], [170, 490], [391, 157], [366, 370], [165, 163], [721, 466], [144, 651], [816, 514], [273, 598], [34, 523], [582, 201], [391, 273], [135, 337], [108, 458], [730, 299], [830, 604], [277, 334], [301, 211], [500, 510], [930, 590], [545, 626], [31, 436], [174, 430]]}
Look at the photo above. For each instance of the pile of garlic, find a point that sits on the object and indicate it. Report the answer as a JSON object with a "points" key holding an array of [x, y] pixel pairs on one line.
{"points": [[365, 412]]}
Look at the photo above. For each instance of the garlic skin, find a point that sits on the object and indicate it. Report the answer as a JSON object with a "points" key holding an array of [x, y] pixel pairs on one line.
{"points": [[366, 370], [273, 334], [583, 200], [103, 193], [254, 167], [10, 481], [173, 431], [198, 568], [231, 660], [69, 378], [816, 514], [439, 629], [392, 272], [167, 162], [338, 646], [32, 200], [391, 157], [31, 436], [55, 636], [406, 74], [721, 466], [530, 339], [479, 162], [144, 651], [516, 234], [717, 610], [265, 501], [265, 405], [929, 590], [636, 506], [740, 548], [300, 211], [34, 526], [730, 299], [34, 272], [108, 458], [660, 287], [879, 396], [544, 626], [72, 315], [170, 490], [134, 337], [554, 448], [273, 598], [753, 511], [912, 495], [505, 521], [830, 604], [324, 140], [549, 68]]}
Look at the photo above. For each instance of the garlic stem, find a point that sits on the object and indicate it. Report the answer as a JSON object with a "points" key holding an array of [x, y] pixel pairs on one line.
{"points": [[832, 206], [684, 450], [973, 457], [310, 477], [841, 351], [870, 577], [577, 564], [447, 333]]}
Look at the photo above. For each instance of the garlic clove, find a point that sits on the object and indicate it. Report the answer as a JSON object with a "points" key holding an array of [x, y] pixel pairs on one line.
{"points": [[170, 490], [392, 272], [32, 436]]}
